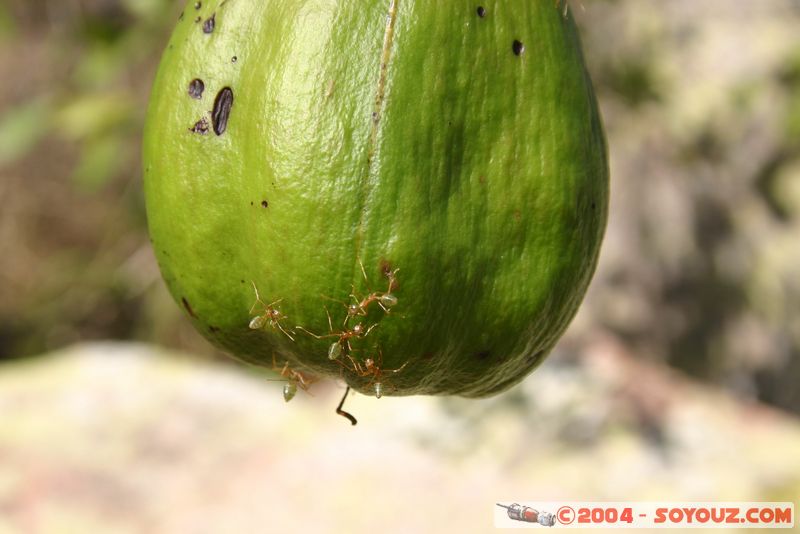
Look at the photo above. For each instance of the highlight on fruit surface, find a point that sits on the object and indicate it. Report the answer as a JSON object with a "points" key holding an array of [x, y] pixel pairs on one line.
{"points": [[407, 196]]}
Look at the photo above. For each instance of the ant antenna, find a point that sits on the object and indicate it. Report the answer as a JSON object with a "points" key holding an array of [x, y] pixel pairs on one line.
{"points": [[343, 413]]}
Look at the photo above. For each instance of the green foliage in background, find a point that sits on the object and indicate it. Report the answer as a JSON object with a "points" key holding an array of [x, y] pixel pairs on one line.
{"points": [[701, 263]]}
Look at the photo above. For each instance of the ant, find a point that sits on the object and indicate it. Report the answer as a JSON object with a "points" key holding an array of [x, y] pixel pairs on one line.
{"points": [[294, 378], [271, 315], [341, 345], [384, 299], [360, 307], [372, 369]]}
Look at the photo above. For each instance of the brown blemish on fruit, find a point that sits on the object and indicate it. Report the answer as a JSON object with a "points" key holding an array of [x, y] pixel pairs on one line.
{"points": [[198, 5], [264, 204], [481, 11], [213, 329], [427, 356], [375, 117], [483, 355], [482, 179], [222, 110], [517, 215], [210, 23], [198, 19], [234, 59], [196, 88], [517, 47], [188, 307], [200, 127]]}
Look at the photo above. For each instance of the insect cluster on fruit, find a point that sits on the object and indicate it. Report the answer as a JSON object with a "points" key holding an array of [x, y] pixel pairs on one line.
{"points": [[406, 196]]}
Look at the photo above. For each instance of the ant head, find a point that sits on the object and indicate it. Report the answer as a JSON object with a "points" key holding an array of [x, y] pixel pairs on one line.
{"points": [[369, 363], [358, 329]]}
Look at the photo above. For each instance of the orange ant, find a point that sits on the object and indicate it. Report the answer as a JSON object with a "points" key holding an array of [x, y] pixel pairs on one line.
{"points": [[271, 315], [341, 345], [384, 299], [372, 369], [294, 379]]}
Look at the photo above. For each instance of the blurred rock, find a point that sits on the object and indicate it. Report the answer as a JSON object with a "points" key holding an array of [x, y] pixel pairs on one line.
{"points": [[121, 438], [700, 266]]}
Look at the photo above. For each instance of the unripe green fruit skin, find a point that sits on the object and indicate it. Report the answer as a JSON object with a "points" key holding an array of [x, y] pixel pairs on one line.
{"points": [[397, 134]]}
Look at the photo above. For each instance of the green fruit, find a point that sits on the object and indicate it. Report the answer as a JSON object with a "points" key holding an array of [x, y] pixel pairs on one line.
{"points": [[458, 149]]}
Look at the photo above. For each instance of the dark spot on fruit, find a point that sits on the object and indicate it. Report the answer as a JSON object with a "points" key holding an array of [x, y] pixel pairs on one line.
{"points": [[518, 47], [427, 356], [198, 19], [198, 5], [196, 88], [181, 16], [483, 355], [200, 127], [264, 204], [594, 205], [188, 307], [213, 329], [482, 179], [208, 25], [251, 202], [234, 59], [222, 110], [481, 11]]}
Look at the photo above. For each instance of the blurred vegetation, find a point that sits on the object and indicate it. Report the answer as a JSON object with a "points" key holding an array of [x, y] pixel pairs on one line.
{"points": [[701, 266], [77, 263]]}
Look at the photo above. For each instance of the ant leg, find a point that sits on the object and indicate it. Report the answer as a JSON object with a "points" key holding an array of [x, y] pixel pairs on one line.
{"points": [[363, 272], [393, 371], [312, 334], [357, 367], [344, 413], [280, 327], [370, 329], [285, 369], [258, 298]]}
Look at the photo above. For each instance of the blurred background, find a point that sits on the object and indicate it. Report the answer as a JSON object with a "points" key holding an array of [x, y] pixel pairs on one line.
{"points": [[678, 380]]}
